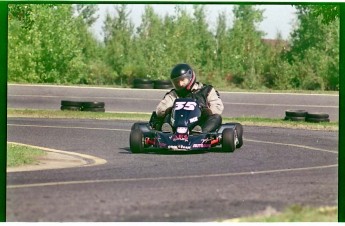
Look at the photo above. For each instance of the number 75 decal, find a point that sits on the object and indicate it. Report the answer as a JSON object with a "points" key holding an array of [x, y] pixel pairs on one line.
{"points": [[189, 106]]}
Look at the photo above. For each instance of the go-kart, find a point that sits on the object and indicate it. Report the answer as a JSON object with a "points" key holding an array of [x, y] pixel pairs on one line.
{"points": [[185, 115]]}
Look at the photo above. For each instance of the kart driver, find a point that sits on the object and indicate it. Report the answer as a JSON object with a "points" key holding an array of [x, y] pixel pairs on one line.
{"points": [[185, 86]]}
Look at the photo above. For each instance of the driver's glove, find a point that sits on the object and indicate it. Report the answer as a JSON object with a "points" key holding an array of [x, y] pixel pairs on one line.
{"points": [[155, 121]]}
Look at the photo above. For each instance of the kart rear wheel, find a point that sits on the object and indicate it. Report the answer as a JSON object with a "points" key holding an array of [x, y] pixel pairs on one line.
{"points": [[228, 140], [136, 142], [239, 129], [137, 125]]}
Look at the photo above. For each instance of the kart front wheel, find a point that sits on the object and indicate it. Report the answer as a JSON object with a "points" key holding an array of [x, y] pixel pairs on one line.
{"points": [[228, 140], [136, 142]]}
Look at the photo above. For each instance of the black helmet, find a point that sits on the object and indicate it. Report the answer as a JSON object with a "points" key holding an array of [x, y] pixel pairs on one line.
{"points": [[182, 77]]}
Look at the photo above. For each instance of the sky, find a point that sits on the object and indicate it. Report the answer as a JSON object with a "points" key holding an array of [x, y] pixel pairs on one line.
{"points": [[277, 18]]}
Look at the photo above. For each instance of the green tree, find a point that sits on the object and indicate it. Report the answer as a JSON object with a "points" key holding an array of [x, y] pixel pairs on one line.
{"points": [[221, 42], [153, 44], [204, 40], [204, 44], [98, 71], [328, 13], [182, 33], [277, 71], [49, 46], [245, 47], [118, 33], [315, 50], [60, 58], [87, 13]]}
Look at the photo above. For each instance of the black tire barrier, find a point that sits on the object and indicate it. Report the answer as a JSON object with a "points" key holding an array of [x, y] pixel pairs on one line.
{"points": [[70, 108], [296, 113], [82, 106], [93, 104], [317, 115], [71, 103], [317, 119], [143, 86], [162, 84], [302, 115], [287, 118], [141, 83]]}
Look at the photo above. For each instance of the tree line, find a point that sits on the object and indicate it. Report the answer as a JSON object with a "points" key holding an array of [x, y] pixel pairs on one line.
{"points": [[53, 43]]}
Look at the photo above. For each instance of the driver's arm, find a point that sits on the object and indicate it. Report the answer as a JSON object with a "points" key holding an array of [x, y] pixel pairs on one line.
{"points": [[215, 104], [166, 104]]}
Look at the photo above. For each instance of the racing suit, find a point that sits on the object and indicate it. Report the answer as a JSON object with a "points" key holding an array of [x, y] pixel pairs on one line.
{"points": [[209, 100]]}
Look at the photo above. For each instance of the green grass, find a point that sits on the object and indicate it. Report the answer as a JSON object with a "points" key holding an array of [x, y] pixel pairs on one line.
{"points": [[76, 114], [277, 122], [249, 121], [295, 213], [18, 155]]}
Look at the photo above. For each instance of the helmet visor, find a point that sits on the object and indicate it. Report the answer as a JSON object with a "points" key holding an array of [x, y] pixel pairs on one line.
{"points": [[182, 81]]}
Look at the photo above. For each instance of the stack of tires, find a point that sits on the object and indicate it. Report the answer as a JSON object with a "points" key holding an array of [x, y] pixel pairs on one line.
{"points": [[150, 84], [295, 115], [302, 115], [140, 83], [67, 105], [93, 106], [162, 84], [317, 117]]}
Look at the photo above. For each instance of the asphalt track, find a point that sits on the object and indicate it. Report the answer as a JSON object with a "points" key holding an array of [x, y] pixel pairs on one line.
{"points": [[236, 104], [275, 168]]}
